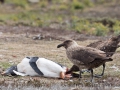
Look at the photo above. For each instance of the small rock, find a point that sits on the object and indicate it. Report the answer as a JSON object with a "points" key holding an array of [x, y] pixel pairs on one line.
{"points": [[38, 37]]}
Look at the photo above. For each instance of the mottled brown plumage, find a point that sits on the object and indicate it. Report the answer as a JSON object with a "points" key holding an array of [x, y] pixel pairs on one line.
{"points": [[95, 44], [108, 46], [84, 57]]}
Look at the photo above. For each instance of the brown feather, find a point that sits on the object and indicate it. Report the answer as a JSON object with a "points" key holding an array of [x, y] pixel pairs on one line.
{"points": [[83, 56], [108, 46]]}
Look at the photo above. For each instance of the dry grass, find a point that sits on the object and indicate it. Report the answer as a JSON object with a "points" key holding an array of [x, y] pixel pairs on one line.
{"points": [[13, 48]]}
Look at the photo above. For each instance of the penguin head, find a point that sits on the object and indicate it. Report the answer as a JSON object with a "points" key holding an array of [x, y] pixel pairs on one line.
{"points": [[9, 71]]}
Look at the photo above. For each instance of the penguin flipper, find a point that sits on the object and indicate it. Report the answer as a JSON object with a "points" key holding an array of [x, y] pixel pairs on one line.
{"points": [[18, 73], [32, 63]]}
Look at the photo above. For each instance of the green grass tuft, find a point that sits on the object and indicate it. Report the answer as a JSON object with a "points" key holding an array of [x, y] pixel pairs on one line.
{"points": [[60, 14], [5, 65]]}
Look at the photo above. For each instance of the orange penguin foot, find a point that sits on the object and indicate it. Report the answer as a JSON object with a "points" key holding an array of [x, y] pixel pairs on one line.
{"points": [[3, 73], [62, 75], [65, 76]]}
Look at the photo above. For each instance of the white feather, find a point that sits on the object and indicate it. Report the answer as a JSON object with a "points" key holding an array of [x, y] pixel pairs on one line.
{"points": [[18, 73], [47, 67], [25, 67]]}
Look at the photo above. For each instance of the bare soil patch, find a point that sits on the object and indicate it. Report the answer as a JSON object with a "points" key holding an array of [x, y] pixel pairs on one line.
{"points": [[48, 33], [16, 44]]}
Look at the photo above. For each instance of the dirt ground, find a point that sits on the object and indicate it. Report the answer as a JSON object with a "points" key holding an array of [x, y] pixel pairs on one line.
{"points": [[48, 33], [17, 42]]}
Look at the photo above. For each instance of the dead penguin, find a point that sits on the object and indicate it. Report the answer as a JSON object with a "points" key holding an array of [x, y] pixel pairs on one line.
{"points": [[84, 57], [34, 66]]}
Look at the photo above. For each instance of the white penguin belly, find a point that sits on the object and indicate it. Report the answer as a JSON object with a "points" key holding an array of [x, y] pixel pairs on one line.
{"points": [[49, 68], [24, 67]]}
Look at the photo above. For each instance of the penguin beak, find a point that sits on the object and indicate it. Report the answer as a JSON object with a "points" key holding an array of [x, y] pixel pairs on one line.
{"points": [[5, 72], [10, 71], [60, 45]]}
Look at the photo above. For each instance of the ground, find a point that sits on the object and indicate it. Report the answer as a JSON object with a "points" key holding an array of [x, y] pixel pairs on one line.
{"points": [[16, 42]]}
